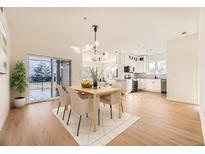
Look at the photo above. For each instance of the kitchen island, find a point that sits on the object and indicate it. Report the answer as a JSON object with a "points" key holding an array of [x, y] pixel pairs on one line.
{"points": [[126, 84]]}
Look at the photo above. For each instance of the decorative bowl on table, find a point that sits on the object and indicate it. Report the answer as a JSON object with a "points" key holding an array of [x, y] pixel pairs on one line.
{"points": [[86, 83]]}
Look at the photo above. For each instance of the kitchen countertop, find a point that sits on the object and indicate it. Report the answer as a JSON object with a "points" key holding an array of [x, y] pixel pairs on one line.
{"points": [[153, 78], [120, 79], [140, 78]]}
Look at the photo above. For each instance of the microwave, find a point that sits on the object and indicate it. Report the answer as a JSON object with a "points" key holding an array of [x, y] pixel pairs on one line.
{"points": [[129, 69]]}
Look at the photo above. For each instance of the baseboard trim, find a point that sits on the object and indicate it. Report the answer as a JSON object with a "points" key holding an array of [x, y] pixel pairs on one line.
{"points": [[4, 120], [202, 119], [45, 100], [181, 101], [1, 137], [2, 126]]}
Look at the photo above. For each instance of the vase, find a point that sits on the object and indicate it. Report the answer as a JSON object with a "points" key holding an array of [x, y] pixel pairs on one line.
{"points": [[95, 84]]}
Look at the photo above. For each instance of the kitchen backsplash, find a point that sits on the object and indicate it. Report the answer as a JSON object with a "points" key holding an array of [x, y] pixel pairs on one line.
{"points": [[149, 76]]}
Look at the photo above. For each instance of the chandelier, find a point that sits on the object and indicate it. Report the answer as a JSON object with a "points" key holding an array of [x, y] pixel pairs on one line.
{"points": [[97, 55]]}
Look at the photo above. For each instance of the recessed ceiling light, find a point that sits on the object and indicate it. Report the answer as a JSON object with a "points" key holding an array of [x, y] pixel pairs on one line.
{"points": [[183, 33]]}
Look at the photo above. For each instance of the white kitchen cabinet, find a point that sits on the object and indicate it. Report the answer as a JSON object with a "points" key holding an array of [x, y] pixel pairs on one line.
{"points": [[153, 85], [122, 83], [127, 60], [130, 59], [128, 85], [138, 62], [141, 84], [141, 68]]}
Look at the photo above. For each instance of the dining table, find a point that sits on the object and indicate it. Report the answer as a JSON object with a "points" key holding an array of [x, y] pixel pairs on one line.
{"points": [[97, 93]]}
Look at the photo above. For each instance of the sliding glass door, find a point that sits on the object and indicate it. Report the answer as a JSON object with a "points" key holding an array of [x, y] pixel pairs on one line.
{"points": [[44, 75], [61, 74]]}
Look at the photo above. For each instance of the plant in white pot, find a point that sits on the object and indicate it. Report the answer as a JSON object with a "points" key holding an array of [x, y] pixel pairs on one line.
{"points": [[18, 82]]}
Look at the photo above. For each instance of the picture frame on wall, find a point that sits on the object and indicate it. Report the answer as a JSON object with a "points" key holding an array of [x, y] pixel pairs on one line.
{"points": [[3, 50]]}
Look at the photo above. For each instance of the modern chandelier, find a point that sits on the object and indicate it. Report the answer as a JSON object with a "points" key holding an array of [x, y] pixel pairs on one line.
{"points": [[97, 55]]}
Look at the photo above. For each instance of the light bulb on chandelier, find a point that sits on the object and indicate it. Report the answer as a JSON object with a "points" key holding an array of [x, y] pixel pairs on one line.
{"points": [[97, 43], [94, 58], [87, 47]]}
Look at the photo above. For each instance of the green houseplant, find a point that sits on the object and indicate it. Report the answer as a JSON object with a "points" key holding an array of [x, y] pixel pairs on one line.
{"points": [[18, 82]]}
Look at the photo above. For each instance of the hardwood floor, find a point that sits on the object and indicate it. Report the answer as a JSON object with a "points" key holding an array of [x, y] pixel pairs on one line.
{"points": [[162, 122]]}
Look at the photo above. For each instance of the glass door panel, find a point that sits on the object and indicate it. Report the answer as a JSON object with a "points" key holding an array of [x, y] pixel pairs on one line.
{"points": [[45, 74], [39, 78]]}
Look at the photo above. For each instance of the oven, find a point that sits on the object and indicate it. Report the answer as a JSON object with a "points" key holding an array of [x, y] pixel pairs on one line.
{"points": [[135, 85]]}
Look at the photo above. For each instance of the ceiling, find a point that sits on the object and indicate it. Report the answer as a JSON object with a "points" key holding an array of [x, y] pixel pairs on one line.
{"points": [[137, 30]]}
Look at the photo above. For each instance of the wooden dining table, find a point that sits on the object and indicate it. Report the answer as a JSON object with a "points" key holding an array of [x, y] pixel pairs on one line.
{"points": [[97, 93]]}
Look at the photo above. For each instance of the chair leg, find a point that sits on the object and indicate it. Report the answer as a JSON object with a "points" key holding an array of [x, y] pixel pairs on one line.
{"points": [[79, 125], [87, 115], [98, 116], [122, 108], [64, 112], [110, 111], [59, 104], [69, 116]]}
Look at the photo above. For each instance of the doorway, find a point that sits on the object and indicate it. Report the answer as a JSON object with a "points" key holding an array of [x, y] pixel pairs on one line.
{"points": [[44, 74]]}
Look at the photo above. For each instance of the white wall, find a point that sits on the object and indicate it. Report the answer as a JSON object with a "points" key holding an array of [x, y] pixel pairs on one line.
{"points": [[156, 57], [4, 79], [201, 69], [182, 69], [23, 45]]}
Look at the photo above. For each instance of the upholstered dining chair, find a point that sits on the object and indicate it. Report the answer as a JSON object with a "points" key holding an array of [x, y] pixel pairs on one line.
{"points": [[81, 106], [111, 99], [64, 99], [81, 94]]}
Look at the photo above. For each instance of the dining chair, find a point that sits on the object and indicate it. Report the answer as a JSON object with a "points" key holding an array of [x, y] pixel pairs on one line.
{"points": [[81, 94], [82, 106], [64, 100], [111, 99]]}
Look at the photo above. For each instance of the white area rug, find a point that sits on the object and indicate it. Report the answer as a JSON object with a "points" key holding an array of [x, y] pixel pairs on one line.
{"points": [[106, 132]]}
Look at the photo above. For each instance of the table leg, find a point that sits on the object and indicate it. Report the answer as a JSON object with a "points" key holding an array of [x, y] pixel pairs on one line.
{"points": [[94, 113], [120, 102]]}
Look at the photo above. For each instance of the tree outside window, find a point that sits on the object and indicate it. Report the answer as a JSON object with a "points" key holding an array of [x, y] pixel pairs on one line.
{"points": [[41, 73]]}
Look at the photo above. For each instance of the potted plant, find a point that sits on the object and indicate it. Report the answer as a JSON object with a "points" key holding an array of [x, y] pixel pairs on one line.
{"points": [[95, 76], [18, 82]]}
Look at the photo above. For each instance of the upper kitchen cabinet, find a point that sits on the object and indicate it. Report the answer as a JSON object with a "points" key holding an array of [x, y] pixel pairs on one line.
{"points": [[131, 60], [136, 62], [141, 64]]}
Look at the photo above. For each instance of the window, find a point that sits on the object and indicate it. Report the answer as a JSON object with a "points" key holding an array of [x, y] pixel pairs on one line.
{"points": [[161, 67], [86, 72], [152, 67], [112, 72], [156, 64], [157, 67]]}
